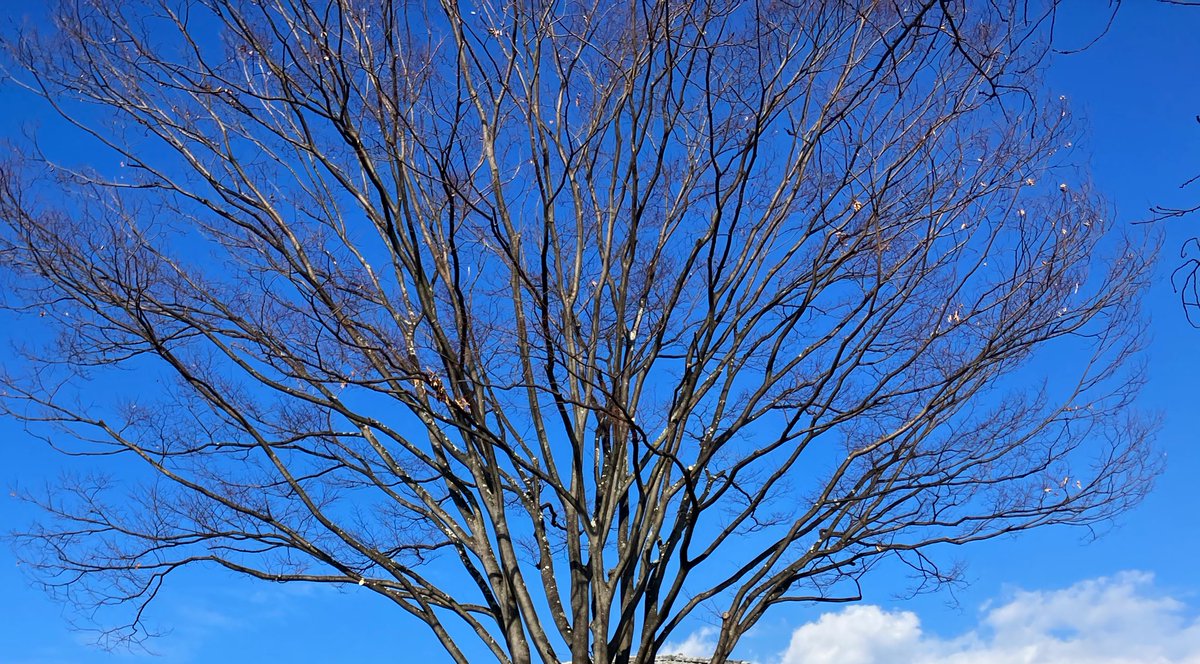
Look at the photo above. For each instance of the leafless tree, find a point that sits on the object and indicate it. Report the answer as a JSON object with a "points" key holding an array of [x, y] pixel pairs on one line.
{"points": [[560, 324]]}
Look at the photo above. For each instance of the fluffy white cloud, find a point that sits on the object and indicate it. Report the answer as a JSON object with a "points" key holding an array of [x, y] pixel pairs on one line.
{"points": [[1120, 619], [1110, 620], [700, 643], [862, 634]]}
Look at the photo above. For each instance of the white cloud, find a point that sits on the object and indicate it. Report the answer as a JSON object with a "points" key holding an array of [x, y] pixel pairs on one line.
{"points": [[1122, 619], [862, 634], [1110, 620], [700, 643]]}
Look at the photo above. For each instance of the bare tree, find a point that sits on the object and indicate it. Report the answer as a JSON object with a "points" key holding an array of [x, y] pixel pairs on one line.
{"points": [[561, 324]]}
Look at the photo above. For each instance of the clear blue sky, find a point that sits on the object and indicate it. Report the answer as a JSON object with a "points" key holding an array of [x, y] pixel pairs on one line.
{"points": [[1139, 91]]}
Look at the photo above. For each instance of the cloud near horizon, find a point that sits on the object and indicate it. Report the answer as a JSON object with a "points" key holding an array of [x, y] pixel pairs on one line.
{"points": [[1120, 619]]}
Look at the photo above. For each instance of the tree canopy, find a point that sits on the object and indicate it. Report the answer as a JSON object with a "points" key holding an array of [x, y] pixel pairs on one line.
{"points": [[560, 324]]}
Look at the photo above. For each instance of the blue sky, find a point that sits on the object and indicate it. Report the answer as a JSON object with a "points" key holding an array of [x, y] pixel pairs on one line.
{"points": [[1138, 90]]}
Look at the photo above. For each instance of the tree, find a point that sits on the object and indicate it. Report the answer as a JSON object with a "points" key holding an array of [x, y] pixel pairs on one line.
{"points": [[560, 324]]}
